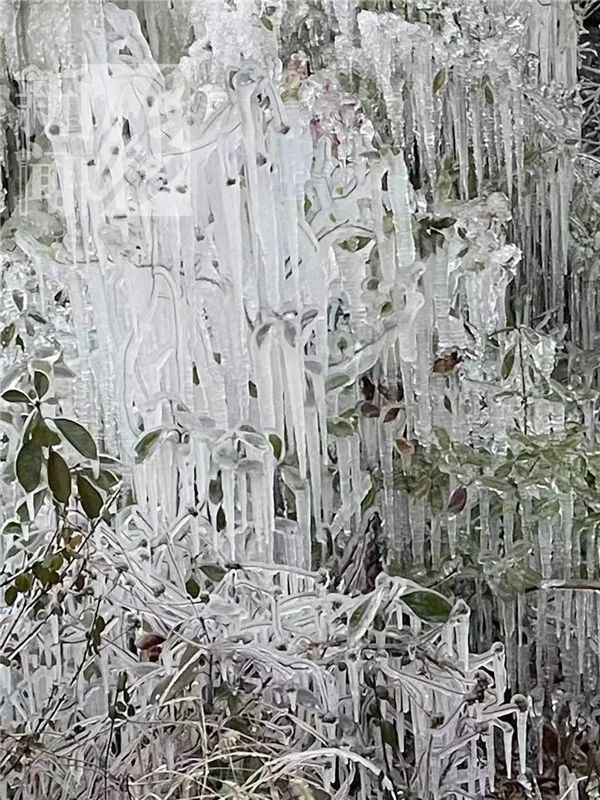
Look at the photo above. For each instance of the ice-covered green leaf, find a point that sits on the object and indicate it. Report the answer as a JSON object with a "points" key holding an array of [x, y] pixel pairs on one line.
{"points": [[78, 437], [90, 497], [59, 477], [28, 466], [428, 606]]}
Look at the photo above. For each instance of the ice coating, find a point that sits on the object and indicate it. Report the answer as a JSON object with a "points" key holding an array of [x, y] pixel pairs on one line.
{"points": [[270, 269]]}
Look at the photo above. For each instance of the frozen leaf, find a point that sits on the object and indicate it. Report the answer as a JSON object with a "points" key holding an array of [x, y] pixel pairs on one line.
{"points": [[59, 477], [457, 501], [355, 243], [41, 383], [306, 698], [7, 334], [447, 363], [23, 582], [405, 447], [149, 640], [428, 605], [148, 443], [18, 299], [214, 572], [370, 410], [507, 364], [389, 734], [77, 436], [12, 526], [439, 80], [443, 438], [277, 445], [28, 466], [391, 414], [16, 396], [340, 427], [10, 595], [192, 588], [90, 497], [335, 381], [39, 433], [215, 492]]}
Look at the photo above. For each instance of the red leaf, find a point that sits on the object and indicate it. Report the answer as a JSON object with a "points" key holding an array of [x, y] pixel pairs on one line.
{"points": [[391, 414], [370, 410], [406, 447], [149, 640], [458, 500], [447, 363]]}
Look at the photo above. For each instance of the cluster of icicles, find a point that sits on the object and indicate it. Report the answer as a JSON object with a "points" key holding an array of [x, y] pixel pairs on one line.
{"points": [[235, 263]]}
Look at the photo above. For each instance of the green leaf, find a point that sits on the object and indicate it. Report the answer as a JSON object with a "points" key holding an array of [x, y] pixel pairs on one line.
{"points": [[23, 582], [7, 334], [443, 438], [147, 443], [53, 577], [18, 299], [90, 497], [41, 383], [389, 734], [440, 223], [10, 595], [428, 606], [507, 364], [192, 588], [59, 477], [503, 471], [336, 381], [262, 332], [12, 526], [267, 23], [16, 396], [29, 465], [105, 480], [214, 572], [277, 445], [439, 81], [522, 578], [78, 437], [356, 617], [369, 499], [489, 95], [53, 561], [41, 573], [39, 433], [215, 491], [23, 511], [340, 427], [355, 243], [252, 390]]}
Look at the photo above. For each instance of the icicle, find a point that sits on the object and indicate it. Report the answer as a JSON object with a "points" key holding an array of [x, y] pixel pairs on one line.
{"points": [[522, 713]]}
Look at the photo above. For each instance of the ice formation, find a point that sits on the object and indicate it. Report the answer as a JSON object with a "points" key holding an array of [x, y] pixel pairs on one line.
{"points": [[302, 269]]}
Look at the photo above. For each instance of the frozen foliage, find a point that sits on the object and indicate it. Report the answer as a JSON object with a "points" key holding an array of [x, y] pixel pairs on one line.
{"points": [[297, 299]]}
